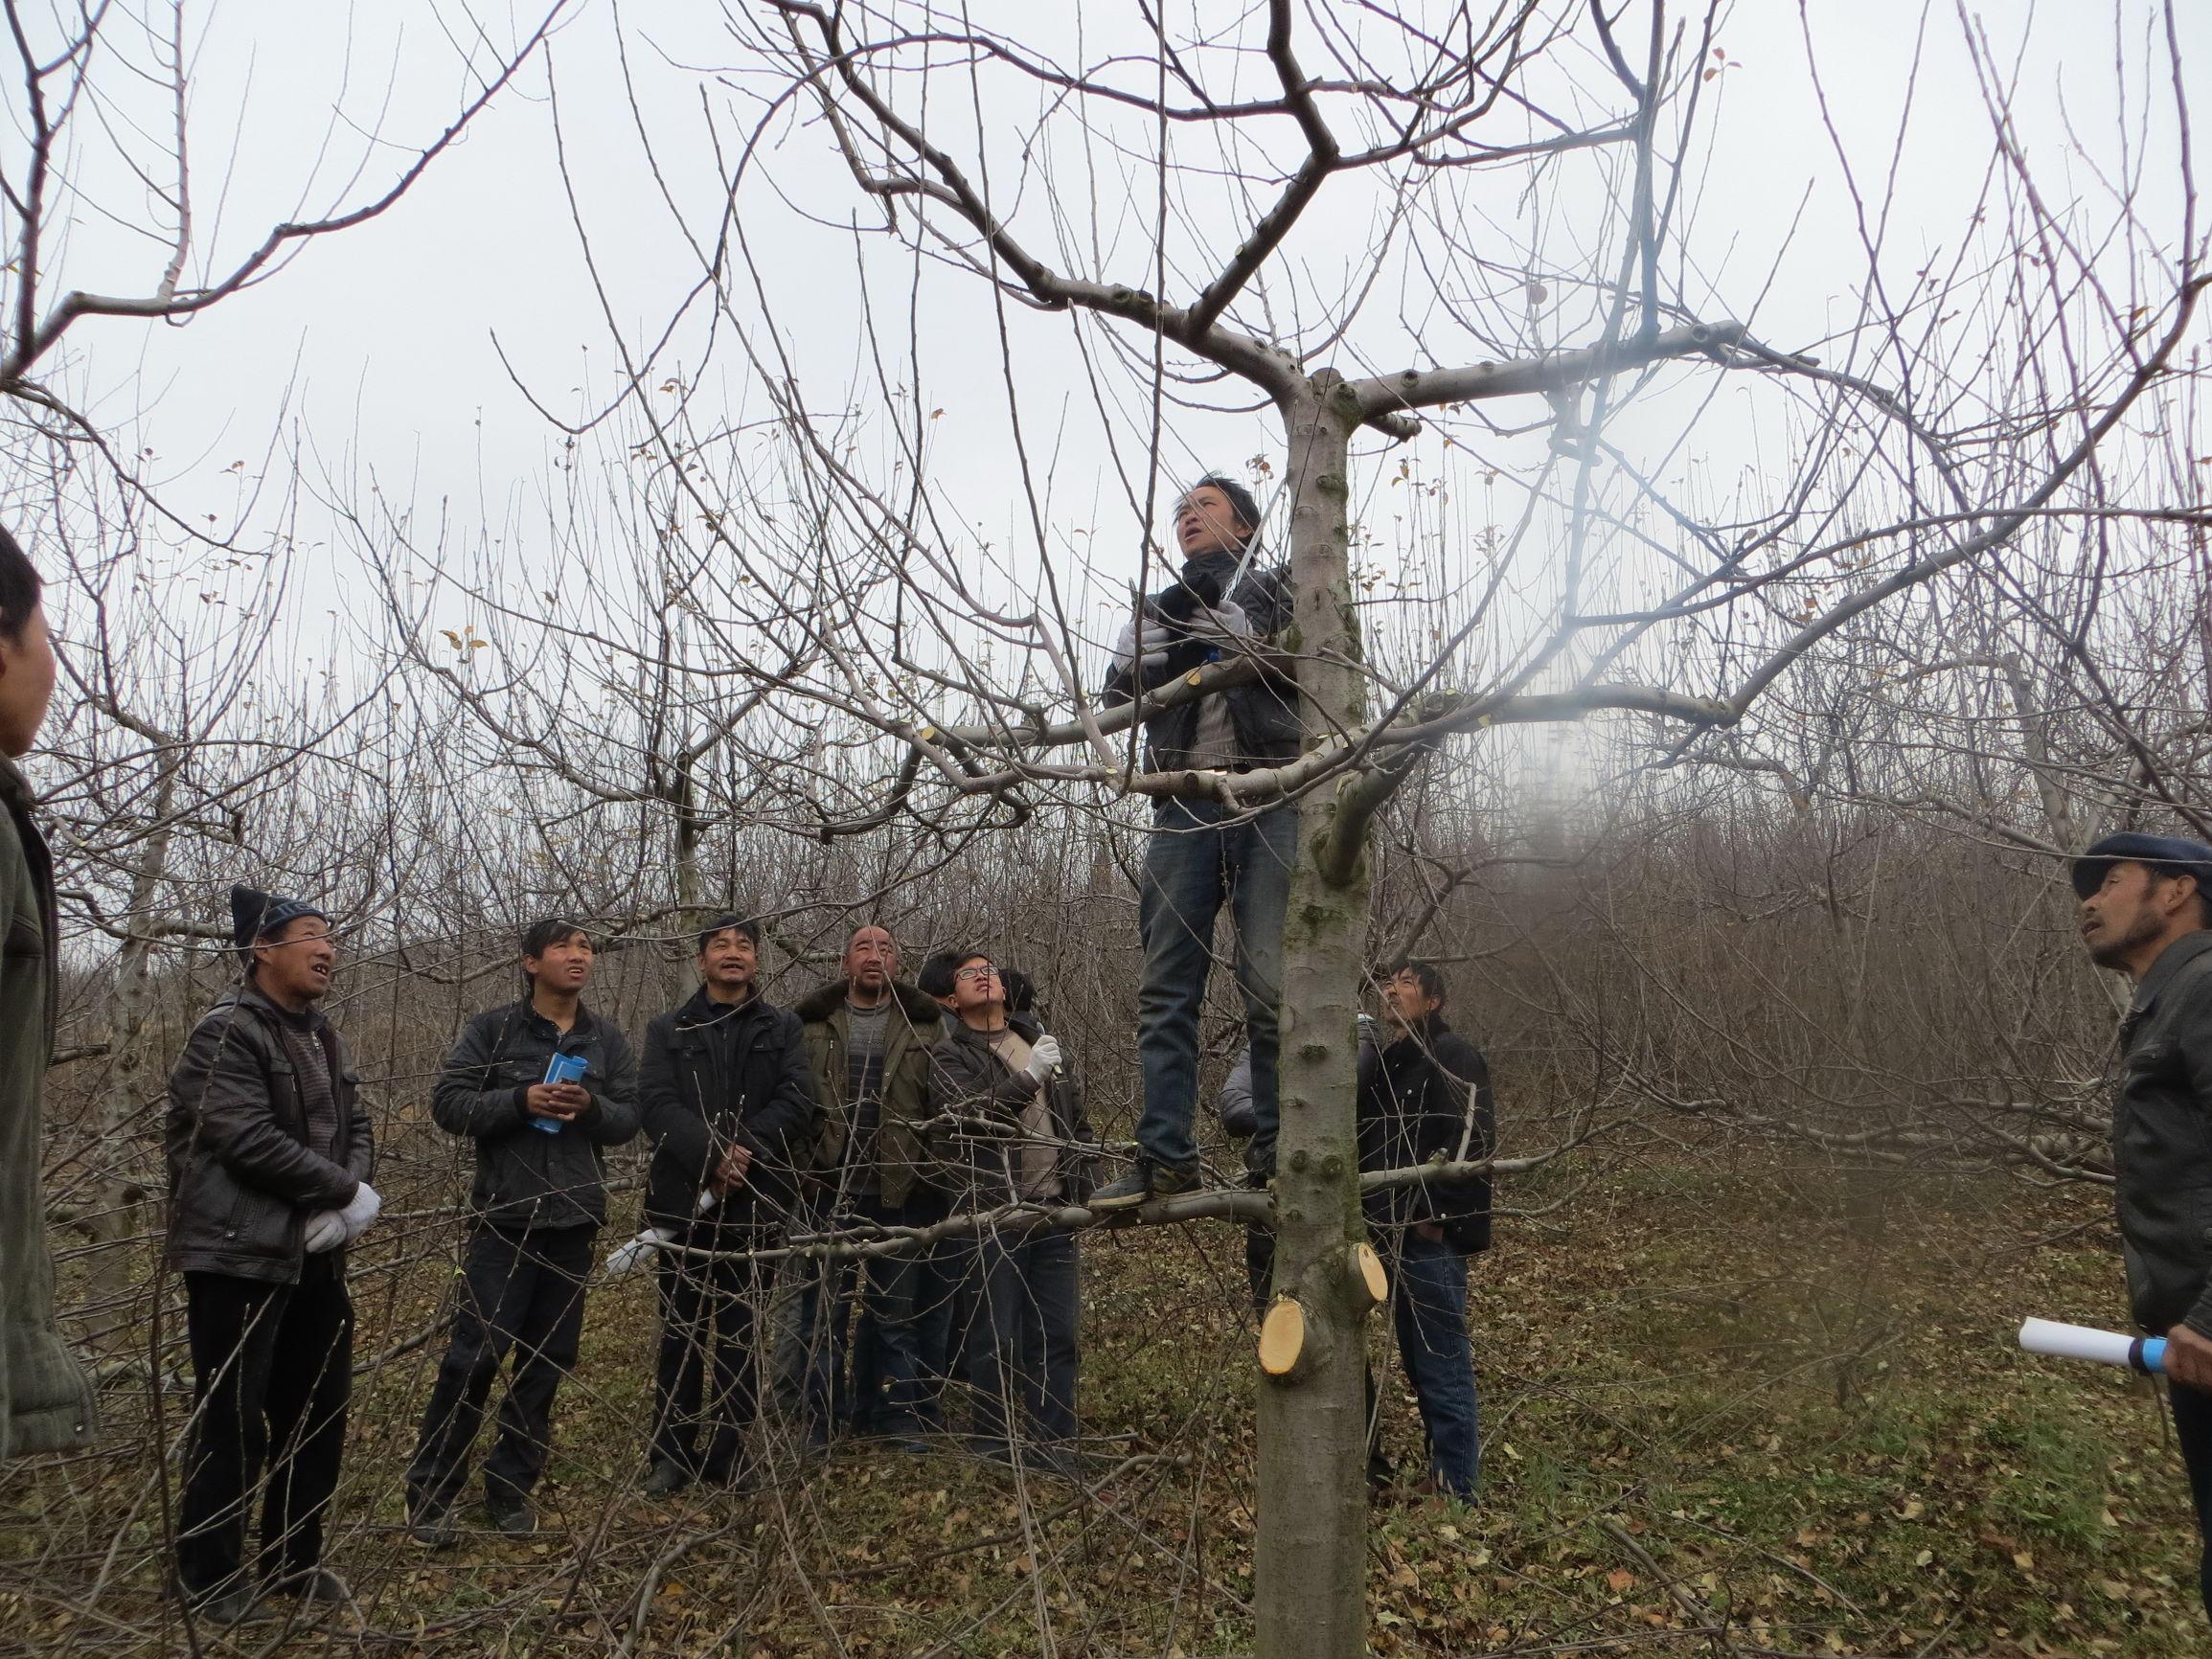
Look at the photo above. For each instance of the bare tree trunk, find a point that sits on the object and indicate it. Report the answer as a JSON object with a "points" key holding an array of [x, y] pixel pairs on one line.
{"points": [[119, 1206], [1311, 1548]]}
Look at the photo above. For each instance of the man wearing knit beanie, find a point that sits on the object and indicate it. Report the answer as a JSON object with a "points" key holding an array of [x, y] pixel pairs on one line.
{"points": [[268, 1154]]}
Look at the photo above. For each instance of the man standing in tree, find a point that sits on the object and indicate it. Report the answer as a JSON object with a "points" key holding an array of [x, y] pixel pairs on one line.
{"points": [[535, 1208], [1008, 1125], [2146, 913], [268, 1154], [729, 1108], [1203, 855], [868, 1039], [1423, 1095], [46, 1400]]}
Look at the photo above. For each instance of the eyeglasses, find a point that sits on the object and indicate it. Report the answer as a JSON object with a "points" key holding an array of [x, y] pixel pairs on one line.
{"points": [[977, 971]]}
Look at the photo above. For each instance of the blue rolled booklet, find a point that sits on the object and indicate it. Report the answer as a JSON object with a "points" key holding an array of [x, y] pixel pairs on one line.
{"points": [[559, 1069]]}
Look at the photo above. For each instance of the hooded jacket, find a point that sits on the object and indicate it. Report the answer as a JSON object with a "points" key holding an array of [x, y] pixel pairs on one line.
{"points": [[46, 1400], [1264, 712], [526, 1177], [915, 1024], [714, 1075], [242, 1179], [968, 1080], [1426, 1097]]}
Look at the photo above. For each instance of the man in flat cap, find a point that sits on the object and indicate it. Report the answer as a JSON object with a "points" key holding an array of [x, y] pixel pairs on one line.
{"points": [[2146, 913], [269, 1156]]}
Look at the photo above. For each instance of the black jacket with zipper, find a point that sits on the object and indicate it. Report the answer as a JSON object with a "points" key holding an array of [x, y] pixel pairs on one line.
{"points": [[526, 1177], [2162, 1140], [242, 1179], [714, 1075], [1425, 1098]]}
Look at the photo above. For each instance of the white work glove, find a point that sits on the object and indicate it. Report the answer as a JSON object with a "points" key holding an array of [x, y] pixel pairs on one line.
{"points": [[630, 1257], [363, 1209], [1043, 1058], [325, 1230], [1225, 622], [1146, 643]]}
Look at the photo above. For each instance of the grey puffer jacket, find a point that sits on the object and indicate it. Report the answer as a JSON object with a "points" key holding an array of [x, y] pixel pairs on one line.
{"points": [[526, 1177], [242, 1179], [45, 1401], [2162, 1139]]}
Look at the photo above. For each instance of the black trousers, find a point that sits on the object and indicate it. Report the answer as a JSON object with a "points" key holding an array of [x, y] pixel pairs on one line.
{"points": [[521, 1290], [707, 1375], [2193, 1429], [272, 1370]]}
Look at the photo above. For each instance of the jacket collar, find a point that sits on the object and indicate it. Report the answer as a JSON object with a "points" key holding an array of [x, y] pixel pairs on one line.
{"points": [[703, 1010], [586, 1022], [826, 1000], [14, 788], [2171, 961], [1423, 1036], [252, 998], [1023, 1026]]}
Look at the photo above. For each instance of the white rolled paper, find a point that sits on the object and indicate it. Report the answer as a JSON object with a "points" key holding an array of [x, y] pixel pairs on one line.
{"points": [[2075, 1341]]}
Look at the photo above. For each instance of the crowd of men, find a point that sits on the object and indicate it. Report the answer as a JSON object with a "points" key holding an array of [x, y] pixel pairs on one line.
{"points": [[872, 1104]]}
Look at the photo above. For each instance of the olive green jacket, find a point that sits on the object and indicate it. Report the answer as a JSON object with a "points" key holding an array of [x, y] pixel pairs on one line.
{"points": [[46, 1400], [916, 1024]]}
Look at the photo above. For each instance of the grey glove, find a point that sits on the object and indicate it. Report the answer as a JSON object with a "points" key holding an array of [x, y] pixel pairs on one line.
{"points": [[363, 1209], [1148, 644], [325, 1230], [1224, 623], [1043, 1058]]}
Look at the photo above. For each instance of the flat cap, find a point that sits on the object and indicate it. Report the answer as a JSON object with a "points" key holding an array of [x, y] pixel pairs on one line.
{"points": [[2167, 855]]}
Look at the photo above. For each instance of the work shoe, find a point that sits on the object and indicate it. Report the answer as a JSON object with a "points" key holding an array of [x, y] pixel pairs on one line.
{"points": [[316, 1585], [513, 1517], [665, 1480], [232, 1608], [1141, 1185], [431, 1529]]}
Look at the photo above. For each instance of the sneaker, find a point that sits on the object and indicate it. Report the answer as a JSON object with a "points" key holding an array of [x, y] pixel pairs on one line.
{"points": [[665, 1480], [513, 1517], [233, 1608], [318, 1586], [431, 1529]]}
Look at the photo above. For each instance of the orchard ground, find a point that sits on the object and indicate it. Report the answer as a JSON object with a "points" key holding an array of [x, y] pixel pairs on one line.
{"points": [[1728, 1403]]}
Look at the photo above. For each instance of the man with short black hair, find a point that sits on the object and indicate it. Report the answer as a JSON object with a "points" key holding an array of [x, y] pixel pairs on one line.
{"points": [[2146, 911], [534, 1211], [268, 1152], [46, 1400], [1201, 854], [868, 1038], [729, 1106], [1424, 1096]]}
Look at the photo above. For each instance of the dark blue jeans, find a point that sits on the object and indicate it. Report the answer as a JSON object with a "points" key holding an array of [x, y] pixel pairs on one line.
{"points": [[1023, 1343], [1428, 1306], [2193, 1431], [1202, 856], [864, 1311]]}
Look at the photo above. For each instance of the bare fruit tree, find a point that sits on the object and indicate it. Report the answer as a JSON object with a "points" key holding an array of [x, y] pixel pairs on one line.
{"points": [[1470, 267]]}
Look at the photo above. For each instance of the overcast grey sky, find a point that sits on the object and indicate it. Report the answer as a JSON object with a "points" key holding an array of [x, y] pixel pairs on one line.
{"points": [[378, 347]]}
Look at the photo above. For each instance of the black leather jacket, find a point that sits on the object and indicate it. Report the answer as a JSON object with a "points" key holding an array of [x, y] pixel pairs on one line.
{"points": [[2162, 1139], [242, 1179], [526, 1177], [968, 1080]]}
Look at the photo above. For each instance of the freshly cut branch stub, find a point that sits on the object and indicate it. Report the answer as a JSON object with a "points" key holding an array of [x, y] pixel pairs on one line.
{"points": [[1371, 1274], [1282, 1336]]}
